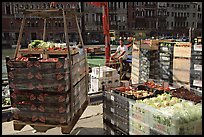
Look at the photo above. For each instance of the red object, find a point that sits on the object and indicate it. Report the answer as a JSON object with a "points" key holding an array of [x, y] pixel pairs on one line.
{"points": [[106, 28]]}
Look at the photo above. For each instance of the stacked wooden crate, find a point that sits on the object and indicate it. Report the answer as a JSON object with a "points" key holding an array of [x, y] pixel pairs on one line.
{"points": [[135, 64], [42, 91], [103, 76], [145, 61], [196, 65], [79, 81], [181, 64]]}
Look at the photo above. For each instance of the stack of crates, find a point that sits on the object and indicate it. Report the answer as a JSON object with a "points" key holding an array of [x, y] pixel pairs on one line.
{"points": [[147, 120], [196, 65], [40, 90], [115, 113], [145, 63], [79, 81], [181, 64], [135, 64], [149, 65], [166, 61], [138, 119], [103, 76]]}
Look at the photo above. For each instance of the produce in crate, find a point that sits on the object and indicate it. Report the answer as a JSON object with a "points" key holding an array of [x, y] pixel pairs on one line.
{"points": [[186, 94]]}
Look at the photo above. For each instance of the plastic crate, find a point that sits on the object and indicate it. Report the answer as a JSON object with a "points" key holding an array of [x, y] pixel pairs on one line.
{"points": [[109, 109], [103, 71], [137, 127], [195, 74], [139, 111], [196, 83], [122, 123], [170, 125], [195, 57], [155, 132], [197, 67]]}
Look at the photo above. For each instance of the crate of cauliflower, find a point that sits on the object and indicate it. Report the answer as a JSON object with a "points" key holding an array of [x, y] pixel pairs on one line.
{"points": [[173, 116]]}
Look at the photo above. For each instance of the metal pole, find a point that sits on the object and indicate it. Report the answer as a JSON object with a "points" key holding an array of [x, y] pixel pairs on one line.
{"points": [[20, 37], [106, 31]]}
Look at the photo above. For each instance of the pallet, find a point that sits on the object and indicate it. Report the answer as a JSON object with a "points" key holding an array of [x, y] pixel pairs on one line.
{"points": [[45, 53], [39, 127]]}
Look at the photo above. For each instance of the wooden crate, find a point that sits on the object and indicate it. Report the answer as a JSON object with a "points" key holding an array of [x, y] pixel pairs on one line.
{"points": [[178, 84], [182, 50], [42, 127], [182, 63], [181, 75]]}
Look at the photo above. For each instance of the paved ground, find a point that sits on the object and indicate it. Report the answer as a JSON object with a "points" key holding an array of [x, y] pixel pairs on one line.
{"points": [[90, 123]]}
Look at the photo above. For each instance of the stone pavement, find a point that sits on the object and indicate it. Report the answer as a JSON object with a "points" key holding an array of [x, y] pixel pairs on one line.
{"points": [[90, 123]]}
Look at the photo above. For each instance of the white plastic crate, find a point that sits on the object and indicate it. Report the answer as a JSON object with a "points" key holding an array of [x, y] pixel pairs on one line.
{"points": [[104, 71], [137, 127], [170, 125], [97, 83], [139, 111]]}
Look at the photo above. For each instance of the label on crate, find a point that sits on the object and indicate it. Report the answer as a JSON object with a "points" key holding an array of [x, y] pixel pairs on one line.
{"points": [[160, 127], [139, 117], [112, 110], [164, 48], [112, 132], [197, 83], [197, 47], [197, 67], [112, 97], [112, 122]]}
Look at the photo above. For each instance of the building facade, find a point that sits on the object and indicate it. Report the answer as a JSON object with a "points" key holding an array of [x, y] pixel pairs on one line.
{"points": [[12, 17], [181, 16], [125, 18]]}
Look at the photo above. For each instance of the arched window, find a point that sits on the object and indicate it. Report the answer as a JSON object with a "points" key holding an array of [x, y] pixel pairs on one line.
{"points": [[68, 6], [142, 12], [137, 12]]}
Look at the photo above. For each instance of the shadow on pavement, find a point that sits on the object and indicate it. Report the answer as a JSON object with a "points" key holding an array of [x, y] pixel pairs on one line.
{"points": [[87, 131]]}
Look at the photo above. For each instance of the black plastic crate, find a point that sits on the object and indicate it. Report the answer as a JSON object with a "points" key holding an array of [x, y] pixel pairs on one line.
{"points": [[197, 66], [196, 53], [195, 74], [109, 120], [196, 83], [123, 112], [196, 61], [195, 57], [109, 109], [121, 100], [122, 124]]}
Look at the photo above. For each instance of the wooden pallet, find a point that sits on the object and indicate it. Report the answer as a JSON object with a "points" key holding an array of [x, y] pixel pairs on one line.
{"points": [[40, 127], [44, 53]]}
